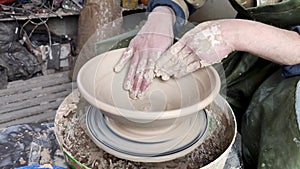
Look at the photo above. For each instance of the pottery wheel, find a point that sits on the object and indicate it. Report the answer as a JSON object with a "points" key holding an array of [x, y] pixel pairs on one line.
{"points": [[81, 151], [172, 142]]}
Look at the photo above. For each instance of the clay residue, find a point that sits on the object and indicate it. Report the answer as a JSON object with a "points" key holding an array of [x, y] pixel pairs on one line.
{"points": [[22, 161], [45, 156], [70, 131]]}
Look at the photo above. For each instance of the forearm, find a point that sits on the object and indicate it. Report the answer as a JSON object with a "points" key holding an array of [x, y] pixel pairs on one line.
{"points": [[271, 43]]}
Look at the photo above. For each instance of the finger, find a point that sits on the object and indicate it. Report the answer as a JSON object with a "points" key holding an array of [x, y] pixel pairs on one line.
{"points": [[164, 59], [171, 71], [163, 75], [169, 55], [139, 73], [147, 80], [161, 69], [124, 59], [129, 80], [177, 47], [189, 69], [178, 62], [180, 68], [183, 57], [176, 59], [189, 57], [149, 74]]}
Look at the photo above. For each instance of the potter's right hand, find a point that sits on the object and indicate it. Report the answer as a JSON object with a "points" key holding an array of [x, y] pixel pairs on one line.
{"points": [[200, 47], [155, 37]]}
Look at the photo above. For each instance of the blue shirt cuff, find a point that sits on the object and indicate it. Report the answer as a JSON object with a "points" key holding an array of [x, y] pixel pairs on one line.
{"points": [[294, 70], [296, 29]]}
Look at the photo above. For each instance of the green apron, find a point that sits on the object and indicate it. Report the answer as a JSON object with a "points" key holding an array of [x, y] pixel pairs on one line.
{"points": [[262, 99], [284, 14]]}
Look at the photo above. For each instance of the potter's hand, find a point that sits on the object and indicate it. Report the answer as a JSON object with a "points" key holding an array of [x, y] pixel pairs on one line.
{"points": [[152, 40], [201, 46]]}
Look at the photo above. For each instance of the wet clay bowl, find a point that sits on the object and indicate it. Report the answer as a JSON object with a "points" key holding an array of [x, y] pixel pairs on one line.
{"points": [[165, 104]]}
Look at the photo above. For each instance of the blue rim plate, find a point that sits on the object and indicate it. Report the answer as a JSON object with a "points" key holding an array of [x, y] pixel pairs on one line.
{"points": [[173, 143]]}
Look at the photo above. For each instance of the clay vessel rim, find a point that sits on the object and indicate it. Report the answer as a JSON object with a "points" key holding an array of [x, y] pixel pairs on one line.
{"points": [[148, 115]]}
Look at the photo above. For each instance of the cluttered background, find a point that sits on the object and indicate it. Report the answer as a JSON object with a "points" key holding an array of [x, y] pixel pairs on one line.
{"points": [[35, 37]]}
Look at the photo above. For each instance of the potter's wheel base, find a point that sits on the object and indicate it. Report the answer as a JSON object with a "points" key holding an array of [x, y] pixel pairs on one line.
{"points": [[81, 152], [172, 142]]}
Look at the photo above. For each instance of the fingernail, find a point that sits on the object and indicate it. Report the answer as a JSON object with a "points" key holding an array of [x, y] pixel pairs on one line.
{"points": [[133, 94], [158, 73], [118, 67], [140, 94], [165, 77], [127, 85]]}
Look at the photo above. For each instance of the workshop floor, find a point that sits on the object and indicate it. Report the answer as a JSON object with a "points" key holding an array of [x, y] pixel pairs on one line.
{"points": [[34, 100]]}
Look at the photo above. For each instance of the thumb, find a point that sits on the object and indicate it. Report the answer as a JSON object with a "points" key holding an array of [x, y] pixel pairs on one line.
{"points": [[124, 59]]}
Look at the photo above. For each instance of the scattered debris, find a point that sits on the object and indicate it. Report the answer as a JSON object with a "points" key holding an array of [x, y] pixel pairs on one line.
{"points": [[22, 161], [45, 156]]}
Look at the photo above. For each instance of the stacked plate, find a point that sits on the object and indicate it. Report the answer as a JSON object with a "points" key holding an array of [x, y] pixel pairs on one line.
{"points": [[169, 143]]}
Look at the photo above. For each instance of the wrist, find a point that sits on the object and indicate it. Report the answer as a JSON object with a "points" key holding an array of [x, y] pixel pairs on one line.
{"points": [[163, 13], [230, 33]]}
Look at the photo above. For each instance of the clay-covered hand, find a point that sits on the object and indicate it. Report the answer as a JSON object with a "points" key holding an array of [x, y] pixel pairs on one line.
{"points": [[155, 37], [199, 47]]}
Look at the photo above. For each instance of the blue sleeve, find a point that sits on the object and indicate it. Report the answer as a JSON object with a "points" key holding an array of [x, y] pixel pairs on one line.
{"points": [[191, 8], [294, 70], [180, 17]]}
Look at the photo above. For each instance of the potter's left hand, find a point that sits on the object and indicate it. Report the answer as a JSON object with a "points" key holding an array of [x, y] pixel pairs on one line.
{"points": [[153, 39], [201, 46]]}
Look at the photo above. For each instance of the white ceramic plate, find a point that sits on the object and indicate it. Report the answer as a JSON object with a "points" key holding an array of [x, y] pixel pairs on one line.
{"points": [[173, 142]]}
